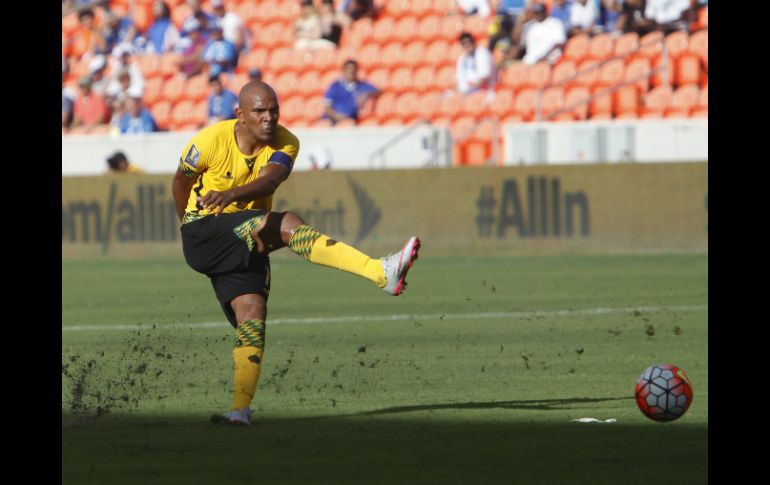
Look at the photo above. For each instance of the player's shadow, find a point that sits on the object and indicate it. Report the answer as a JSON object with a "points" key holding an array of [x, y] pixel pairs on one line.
{"points": [[534, 405]]}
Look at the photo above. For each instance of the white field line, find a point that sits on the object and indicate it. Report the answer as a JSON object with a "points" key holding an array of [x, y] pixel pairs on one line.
{"points": [[406, 316]]}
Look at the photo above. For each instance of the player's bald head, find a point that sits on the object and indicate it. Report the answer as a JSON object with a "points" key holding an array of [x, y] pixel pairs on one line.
{"points": [[253, 90]]}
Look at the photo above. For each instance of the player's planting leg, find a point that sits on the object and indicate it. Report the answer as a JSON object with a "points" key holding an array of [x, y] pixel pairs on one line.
{"points": [[389, 273]]}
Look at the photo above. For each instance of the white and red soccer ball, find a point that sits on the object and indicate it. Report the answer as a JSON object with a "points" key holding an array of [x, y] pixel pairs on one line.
{"points": [[663, 392]]}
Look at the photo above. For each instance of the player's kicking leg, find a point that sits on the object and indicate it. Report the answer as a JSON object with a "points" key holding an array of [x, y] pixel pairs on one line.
{"points": [[288, 229]]}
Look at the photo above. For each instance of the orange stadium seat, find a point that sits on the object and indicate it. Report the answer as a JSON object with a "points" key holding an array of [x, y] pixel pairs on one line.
{"points": [[150, 65], [405, 28], [286, 84], [161, 112], [450, 29], [172, 89], [651, 45], [478, 147], [563, 71], [424, 79], [462, 127], [401, 79], [699, 45], [392, 55], [512, 119], [665, 72], [474, 104], [292, 109], [308, 83], [414, 54], [428, 28], [699, 113], [357, 34], [395, 9], [282, 59], [236, 82], [627, 44], [196, 87], [379, 77], [612, 73], [703, 98], [578, 96], [685, 98], [274, 34], [639, 69], [328, 77], [421, 8], [676, 43], [577, 47], [287, 12], [626, 99], [677, 113], [657, 100], [384, 30], [169, 64], [69, 24], [524, 104], [314, 108], [502, 104], [552, 101], [515, 76], [436, 53], [385, 105], [427, 105], [248, 11], [180, 13], [688, 70], [588, 73], [142, 16], [601, 105], [703, 17], [200, 113], [538, 75], [601, 47], [256, 58], [477, 27], [446, 77], [181, 114], [628, 115], [318, 123], [406, 106], [450, 105], [442, 7], [369, 56], [326, 59], [152, 91]]}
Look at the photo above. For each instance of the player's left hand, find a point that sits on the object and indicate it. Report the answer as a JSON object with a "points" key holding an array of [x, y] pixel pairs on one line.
{"points": [[214, 199]]}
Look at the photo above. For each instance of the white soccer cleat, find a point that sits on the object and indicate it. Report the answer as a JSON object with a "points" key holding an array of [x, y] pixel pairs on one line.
{"points": [[397, 265], [235, 417]]}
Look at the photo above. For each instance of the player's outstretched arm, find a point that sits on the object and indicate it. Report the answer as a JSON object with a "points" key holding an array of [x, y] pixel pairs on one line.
{"points": [[180, 188], [270, 177]]}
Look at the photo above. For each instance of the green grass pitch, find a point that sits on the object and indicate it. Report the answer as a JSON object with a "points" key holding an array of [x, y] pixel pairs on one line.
{"points": [[474, 375]]}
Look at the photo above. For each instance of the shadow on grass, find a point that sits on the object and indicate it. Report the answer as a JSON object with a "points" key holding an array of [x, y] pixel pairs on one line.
{"points": [[385, 446]]}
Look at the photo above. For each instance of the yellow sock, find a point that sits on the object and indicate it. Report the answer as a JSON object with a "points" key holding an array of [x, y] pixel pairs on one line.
{"points": [[320, 249], [247, 357]]}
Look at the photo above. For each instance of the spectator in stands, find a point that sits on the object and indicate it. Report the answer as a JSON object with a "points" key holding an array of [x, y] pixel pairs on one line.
{"points": [[669, 15], [474, 7], [191, 47], [221, 55], [561, 9], [632, 18], [502, 27], [608, 13], [85, 39], [542, 36], [233, 27], [255, 74], [118, 163], [117, 93], [206, 20], [222, 101], [136, 118], [67, 103], [96, 69], [123, 60], [307, 29], [475, 68], [117, 30], [358, 9], [347, 96], [583, 18], [162, 35], [90, 109], [331, 23]]}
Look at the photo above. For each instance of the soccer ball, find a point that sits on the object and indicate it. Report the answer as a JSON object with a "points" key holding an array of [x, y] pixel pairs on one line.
{"points": [[663, 392]]}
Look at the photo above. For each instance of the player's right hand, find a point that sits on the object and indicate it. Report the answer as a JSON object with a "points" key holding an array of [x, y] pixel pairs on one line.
{"points": [[214, 199]]}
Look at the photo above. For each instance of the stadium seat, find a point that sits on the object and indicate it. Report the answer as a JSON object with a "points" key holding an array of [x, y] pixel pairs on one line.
{"points": [[384, 30], [474, 104], [357, 34], [563, 71], [627, 44], [286, 84], [142, 16], [477, 27], [436, 53], [424, 79], [200, 113], [552, 101], [395, 9], [515, 76], [380, 78], [181, 114], [69, 24], [152, 91], [196, 88], [450, 105], [150, 65], [407, 106], [577, 48], [161, 112], [601, 47], [685, 98], [428, 28], [248, 11], [703, 17], [578, 96], [687, 70], [292, 109], [502, 104], [308, 83], [601, 104], [405, 29], [318, 123], [327, 78], [282, 59], [604, 115], [538, 75], [385, 106], [657, 100], [639, 69], [172, 89], [461, 128], [651, 45], [703, 98], [476, 153], [677, 113], [676, 43], [611, 73], [511, 119], [446, 78], [414, 53], [286, 12], [236, 82], [401, 80], [256, 58], [273, 35], [369, 56], [626, 99], [450, 28], [588, 73], [313, 108], [169, 64], [524, 104], [628, 115], [392, 55], [699, 45], [427, 104], [699, 113]]}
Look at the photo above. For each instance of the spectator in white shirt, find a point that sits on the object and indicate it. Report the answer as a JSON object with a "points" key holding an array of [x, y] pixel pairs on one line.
{"points": [[668, 15], [233, 27], [543, 36], [583, 18], [474, 66]]}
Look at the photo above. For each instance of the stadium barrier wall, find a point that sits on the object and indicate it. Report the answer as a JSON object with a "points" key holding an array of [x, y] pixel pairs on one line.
{"points": [[463, 211], [358, 147]]}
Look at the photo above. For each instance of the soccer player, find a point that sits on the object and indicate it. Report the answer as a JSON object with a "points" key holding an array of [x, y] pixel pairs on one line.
{"points": [[223, 192]]}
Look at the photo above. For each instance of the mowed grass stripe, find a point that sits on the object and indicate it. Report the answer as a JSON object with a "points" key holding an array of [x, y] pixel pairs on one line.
{"points": [[401, 317]]}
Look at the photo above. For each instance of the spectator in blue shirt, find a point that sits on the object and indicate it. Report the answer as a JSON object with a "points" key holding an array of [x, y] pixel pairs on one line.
{"points": [[117, 30], [221, 55], [222, 102], [162, 34], [346, 96], [136, 119], [561, 10]]}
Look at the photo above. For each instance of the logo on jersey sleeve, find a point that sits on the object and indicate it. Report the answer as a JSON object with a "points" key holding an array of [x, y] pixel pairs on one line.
{"points": [[193, 156]]}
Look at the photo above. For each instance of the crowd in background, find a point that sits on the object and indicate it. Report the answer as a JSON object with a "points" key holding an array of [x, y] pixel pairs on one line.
{"points": [[213, 40]]}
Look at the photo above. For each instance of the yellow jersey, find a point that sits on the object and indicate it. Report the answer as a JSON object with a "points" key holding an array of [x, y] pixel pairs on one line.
{"points": [[214, 158]]}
